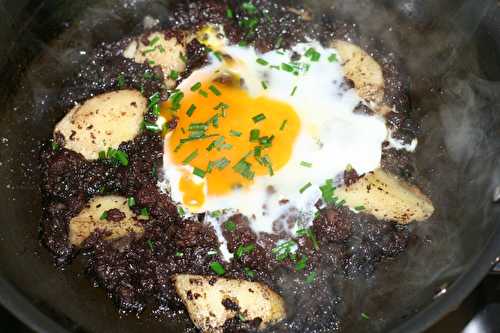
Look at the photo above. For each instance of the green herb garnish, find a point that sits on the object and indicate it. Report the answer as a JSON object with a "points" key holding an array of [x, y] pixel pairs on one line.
{"points": [[117, 156], [196, 86], [174, 75], [131, 202], [235, 133], [306, 164], [243, 250], [150, 244], [262, 62], [144, 213], [359, 208], [327, 192], [230, 226], [309, 233], [191, 110], [293, 91], [104, 215], [254, 135], [311, 277], [332, 58], [199, 172], [217, 268], [283, 124], [258, 118], [190, 157], [301, 264], [248, 272], [305, 187], [214, 90]]}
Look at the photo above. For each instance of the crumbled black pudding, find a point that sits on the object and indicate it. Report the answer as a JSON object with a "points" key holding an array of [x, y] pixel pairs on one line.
{"points": [[136, 270]]}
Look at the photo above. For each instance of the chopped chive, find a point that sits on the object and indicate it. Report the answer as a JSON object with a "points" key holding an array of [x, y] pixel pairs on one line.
{"points": [[244, 168], [359, 208], [217, 268], [214, 90], [120, 80], [305, 187], [221, 164], [118, 156], [293, 91], [243, 250], [248, 272], [301, 264], [310, 52], [258, 118], [287, 67], [365, 316], [174, 75], [311, 277], [249, 7], [197, 127], [341, 203], [262, 62], [278, 42], [309, 233], [306, 164], [229, 13], [218, 55], [144, 213], [242, 43], [151, 62], [327, 191], [150, 244], [235, 133], [283, 124], [179, 254], [266, 141], [153, 41], [104, 215], [102, 155], [131, 202], [264, 85], [191, 110], [257, 151], [190, 157], [181, 211], [230, 226], [254, 134], [196, 86], [199, 172], [332, 58], [182, 56], [148, 51], [151, 127], [315, 57], [203, 93]]}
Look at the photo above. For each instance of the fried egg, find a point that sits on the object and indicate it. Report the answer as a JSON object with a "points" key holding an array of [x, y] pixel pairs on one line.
{"points": [[259, 134]]}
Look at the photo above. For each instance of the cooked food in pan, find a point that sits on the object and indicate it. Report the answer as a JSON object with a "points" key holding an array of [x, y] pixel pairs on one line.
{"points": [[228, 164]]}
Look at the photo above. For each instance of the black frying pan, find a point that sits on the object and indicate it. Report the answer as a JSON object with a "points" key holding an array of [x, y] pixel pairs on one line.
{"points": [[452, 51]]}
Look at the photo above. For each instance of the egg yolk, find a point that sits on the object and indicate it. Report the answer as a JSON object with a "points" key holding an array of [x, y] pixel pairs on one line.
{"points": [[228, 137]]}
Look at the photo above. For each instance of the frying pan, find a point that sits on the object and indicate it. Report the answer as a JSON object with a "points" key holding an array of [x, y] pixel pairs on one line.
{"points": [[451, 51]]}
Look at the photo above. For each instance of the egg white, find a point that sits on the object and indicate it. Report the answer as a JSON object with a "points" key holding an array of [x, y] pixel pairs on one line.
{"points": [[331, 138]]}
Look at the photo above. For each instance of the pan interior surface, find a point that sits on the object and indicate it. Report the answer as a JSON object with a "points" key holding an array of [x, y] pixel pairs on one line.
{"points": [[453, 69]]}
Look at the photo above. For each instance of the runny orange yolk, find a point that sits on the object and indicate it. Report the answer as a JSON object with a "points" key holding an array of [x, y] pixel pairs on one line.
{"points": [[228, 137]]}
